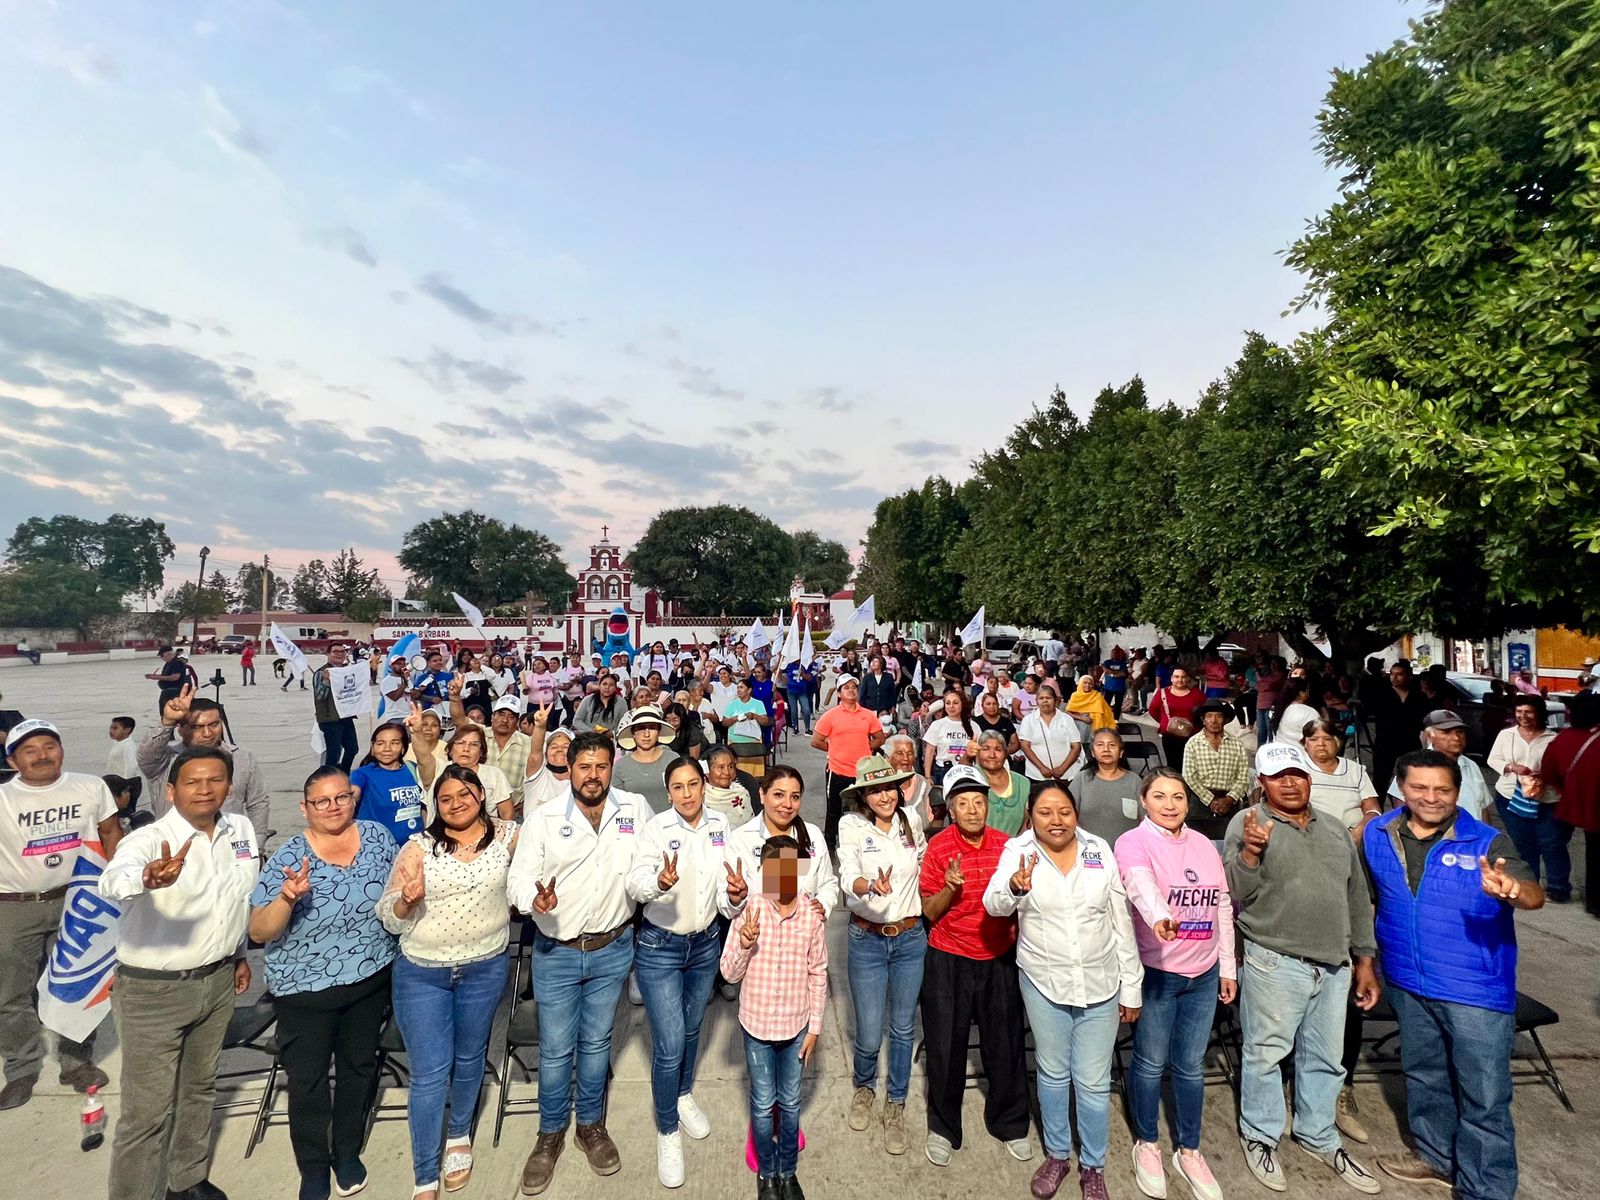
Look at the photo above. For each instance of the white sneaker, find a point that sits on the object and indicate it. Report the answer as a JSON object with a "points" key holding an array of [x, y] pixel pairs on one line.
{"points": [[938, 1150], [691, 1119], [1262, 1160], [669, 1159], [1020, 1149], [635, 996], [1347, 1169], [1193, 1169], [1148, 1173]]}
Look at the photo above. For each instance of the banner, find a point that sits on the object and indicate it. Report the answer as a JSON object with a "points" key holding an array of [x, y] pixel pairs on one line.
{"points": [[757, 638], [352, 689], [471, 612], [75, 989], [916, 676], [288, 650], [973, 630]]}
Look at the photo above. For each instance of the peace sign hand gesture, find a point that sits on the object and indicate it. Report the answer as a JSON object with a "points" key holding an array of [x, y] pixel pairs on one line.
{"points": [[542, 717], [954, 877], [738, 889], [882, 886], [175, 710], [413, 883], [164, 871], [1497, 882], [750, 930], [296, 884], [1022, 877], [1256, 835], [545, 899], [669, 872]]}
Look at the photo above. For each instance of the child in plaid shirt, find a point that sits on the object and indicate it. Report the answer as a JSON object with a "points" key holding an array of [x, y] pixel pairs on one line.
{"points": [[781, 953]]}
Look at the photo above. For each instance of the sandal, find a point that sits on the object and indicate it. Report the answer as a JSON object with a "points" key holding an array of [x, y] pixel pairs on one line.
{"points": [[423, 1189], [457, 1164]]}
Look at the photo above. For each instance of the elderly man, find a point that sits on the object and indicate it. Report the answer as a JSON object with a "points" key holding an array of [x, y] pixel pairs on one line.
{"points": [[510, 749], [198, 723], [1445, 732], [1217, 771], [47, 816], [1305, 915], [1445, 886], [338, 732]]}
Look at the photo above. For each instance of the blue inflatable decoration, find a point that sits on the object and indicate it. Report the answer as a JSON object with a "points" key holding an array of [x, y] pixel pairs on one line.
{"points": [[617, 640]]}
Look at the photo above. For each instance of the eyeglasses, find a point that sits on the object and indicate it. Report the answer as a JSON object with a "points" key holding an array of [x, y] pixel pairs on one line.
{"points": [[324, 803]]}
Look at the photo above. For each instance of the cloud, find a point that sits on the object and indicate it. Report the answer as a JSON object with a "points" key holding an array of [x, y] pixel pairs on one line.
{"points": [[826, 399], [89, 64], [345, 240], [764, 428], [232, 133], [925, 449], [438, 288], [447, 372], [820, 481], [702, 381], [352, 80]]}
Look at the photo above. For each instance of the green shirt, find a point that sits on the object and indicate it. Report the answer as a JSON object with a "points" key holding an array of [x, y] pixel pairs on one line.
{"points": [[1006, 813]]}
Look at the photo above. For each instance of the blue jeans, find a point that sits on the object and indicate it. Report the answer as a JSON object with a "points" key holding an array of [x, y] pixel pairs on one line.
{"points": [[444, 1015], [675, 973], [1072, 1051], [1173, 1030], [885, 976], [774, 1070], [1263, 726], [339, 738], [1286, 1007], [577, 995], [800, 710], [1542, 837], [1457, 1063]]}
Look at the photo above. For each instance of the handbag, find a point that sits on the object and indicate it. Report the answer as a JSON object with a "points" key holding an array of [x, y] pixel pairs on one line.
{"points": [[1178, 727]]}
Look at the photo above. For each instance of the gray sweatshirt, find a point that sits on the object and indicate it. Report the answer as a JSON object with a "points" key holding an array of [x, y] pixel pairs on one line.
{"points": [[1308, 898], [248, 797]]}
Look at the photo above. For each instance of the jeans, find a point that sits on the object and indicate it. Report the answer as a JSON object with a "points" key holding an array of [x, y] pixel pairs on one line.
{"points": [[1286, 1007], [774, 1070], [1072, 1051], [247, 676], [800, 710], [1173, 1030], [444, 1015], [1457, 1063], [675, 973], [885, 976], [340, 737], [1542, 837], [577, 993], [1264, 729], [1115, 699]]}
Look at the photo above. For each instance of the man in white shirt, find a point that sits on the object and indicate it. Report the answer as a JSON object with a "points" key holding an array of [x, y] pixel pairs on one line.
{"points": [[570, 875], [47, 816], [395, 688], [184, 884]]}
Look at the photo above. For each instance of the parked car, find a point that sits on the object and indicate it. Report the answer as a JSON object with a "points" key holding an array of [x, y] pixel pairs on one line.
{"points": [[1486, 704], [234, 643]]}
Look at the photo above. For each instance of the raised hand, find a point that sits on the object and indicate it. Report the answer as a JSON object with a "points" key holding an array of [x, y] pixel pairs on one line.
{"points": [[175, 710], [544, 900], [454, 688], [1256, 835], [164, 871], [750, 929], [1165, 929], [413, 883], [738, 889], [542, 717], [414, 722], [296, 884], [953, 875], [882, 885], [1496, 881], [1022, 877], [669, 872]]}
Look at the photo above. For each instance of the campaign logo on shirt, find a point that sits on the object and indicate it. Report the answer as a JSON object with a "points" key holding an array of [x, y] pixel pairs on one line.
{"points": [[1194, 931], [242, 850], [1191, 875], [716, 837], [1091, 858], [624, 824], [869, 844], [674, 844], [52, 846], [565, 831]]}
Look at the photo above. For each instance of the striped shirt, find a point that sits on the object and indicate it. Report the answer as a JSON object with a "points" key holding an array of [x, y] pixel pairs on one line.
{"points": [[785, 973]]}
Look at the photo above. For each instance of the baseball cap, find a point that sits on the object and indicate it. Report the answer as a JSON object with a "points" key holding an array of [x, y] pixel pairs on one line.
{"points": [[508, 704], [963, 778], [1443, 718], [1275, 758], [27, 729]]}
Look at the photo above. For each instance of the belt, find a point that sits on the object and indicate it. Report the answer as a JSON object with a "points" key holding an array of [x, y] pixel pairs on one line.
{"points": [[25, 897], [128, 972], [892, 929], [595, 941]]}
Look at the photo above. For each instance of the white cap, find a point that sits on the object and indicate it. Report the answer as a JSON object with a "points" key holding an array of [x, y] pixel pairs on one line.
{"points": [[21, 733], [964, 778], [508, 704], [1275, 758]]}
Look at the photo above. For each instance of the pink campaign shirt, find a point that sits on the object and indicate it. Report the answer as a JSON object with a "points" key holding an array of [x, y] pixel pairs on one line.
{"points": [[1178, 877]]}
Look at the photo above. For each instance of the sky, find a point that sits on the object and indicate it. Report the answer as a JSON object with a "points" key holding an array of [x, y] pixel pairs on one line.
{"points": [[292, 278]]}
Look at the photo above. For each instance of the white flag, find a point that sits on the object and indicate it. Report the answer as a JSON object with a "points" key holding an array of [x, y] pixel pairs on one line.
{"points": [[75, 989], [973, 632], [352, 691], [791, 641], [857, 622], [757, 637], [808, 649], [916, 677], [288, 650], [471, 612]]}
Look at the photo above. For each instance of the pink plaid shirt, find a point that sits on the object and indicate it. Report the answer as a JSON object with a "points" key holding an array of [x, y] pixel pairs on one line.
{"points": [[785, 973]]}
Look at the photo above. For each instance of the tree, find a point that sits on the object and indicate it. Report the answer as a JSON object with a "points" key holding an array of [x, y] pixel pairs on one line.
{"points": [[1461, 273], [907, 564], [310, 589], [186, 602], [54, 595], [486, 560], [223, 586], [825, 565], [352, 589], [126, 553], [248, 587], [722, 559]]}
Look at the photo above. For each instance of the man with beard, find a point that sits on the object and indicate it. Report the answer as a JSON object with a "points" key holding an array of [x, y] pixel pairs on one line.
{"points": [[198, 722], [569, 875]]}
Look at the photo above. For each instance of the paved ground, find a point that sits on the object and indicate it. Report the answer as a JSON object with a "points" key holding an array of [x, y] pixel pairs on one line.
{"points": [[1560, 957]]}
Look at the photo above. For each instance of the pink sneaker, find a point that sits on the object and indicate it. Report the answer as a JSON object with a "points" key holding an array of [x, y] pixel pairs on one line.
{"points": [[1196, 1172], [750, 1149], [1147, 1170]]}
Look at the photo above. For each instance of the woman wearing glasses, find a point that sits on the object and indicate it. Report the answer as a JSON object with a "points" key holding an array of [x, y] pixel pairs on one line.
{"points": [[328, 960]]}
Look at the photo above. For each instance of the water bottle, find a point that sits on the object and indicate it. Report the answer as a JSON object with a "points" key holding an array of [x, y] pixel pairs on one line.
{"points": [[93, 1120]]}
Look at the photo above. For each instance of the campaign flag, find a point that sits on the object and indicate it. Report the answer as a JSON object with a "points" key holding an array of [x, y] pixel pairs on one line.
{"points": [[757, 638], [352, 691], [791, 642], [973, 630], [808, 649], [288, 650], [856, 623], [404, 648], [75, 989], [471, 612], [916, 676]]}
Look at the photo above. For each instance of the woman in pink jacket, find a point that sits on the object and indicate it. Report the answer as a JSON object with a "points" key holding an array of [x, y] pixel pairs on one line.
{"points": [[1183, 923]]}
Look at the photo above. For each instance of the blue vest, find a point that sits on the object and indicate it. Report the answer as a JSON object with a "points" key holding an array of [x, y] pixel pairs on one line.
{"points": [[1451, 941]]}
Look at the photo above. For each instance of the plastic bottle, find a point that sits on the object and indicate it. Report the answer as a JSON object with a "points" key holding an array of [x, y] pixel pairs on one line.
{"points": [[94, 1120]]}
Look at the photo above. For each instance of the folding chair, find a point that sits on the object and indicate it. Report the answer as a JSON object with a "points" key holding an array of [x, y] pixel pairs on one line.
{"points": [[1146, 752], [248, 1029], [522, 1037], [1130, 729]]}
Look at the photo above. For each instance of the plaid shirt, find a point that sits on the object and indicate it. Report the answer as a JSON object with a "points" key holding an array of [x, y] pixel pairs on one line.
{"points": [[785, 973], [1206, 767]]}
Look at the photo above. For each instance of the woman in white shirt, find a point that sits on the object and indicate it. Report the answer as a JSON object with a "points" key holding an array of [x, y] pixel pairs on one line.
{"points": [[1049, 738], [1340, 787], [468, 747], [678, 868], [446, 899], [1527, 807], [1080, 974], [948, 740], [880, 861]]}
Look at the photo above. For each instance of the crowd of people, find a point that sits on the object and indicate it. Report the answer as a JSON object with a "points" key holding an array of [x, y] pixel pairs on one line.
{"points": [[1001, 864]]}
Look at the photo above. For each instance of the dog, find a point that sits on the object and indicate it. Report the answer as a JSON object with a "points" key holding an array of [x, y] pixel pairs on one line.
{"points": [[279, 667]]}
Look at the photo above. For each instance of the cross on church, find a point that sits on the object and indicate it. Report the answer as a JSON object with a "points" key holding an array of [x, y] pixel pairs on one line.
{"points": [[604, 532]]}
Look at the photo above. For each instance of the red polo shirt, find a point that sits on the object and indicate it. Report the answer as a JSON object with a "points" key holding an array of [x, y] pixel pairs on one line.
{"points": [[967, 929]]}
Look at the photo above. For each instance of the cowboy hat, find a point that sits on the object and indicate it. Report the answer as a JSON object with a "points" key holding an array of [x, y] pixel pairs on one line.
{"points": [[645, 714], [874, 771]]}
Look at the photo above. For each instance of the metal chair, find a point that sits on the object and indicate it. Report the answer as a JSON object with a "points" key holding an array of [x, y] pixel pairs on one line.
{"points": [[1130, 729], [249, 1029], [522, 1037], [1145, 751]]}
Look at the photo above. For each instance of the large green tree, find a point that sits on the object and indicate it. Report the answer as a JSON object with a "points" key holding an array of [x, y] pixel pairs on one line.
{"points": [[722, 559], [825, 564], [1460, 271], [55, 595], [126, 553], [486, 560], [186, 601], [247, 586], [907, 564]]}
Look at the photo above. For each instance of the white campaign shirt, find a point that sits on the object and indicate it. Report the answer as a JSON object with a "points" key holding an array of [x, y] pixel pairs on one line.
{"points": [[401, 705], [590, 866], [543, 786], [42, 829], [201, 918], [951, 743], [1074, 932], [864, 850], [722, 695], [1052, 742], [690, 905], [817, 876]]}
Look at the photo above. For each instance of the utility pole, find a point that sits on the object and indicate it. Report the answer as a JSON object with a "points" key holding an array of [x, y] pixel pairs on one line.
{"points": [[199, 587], [527, 601], [266, 595]]}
